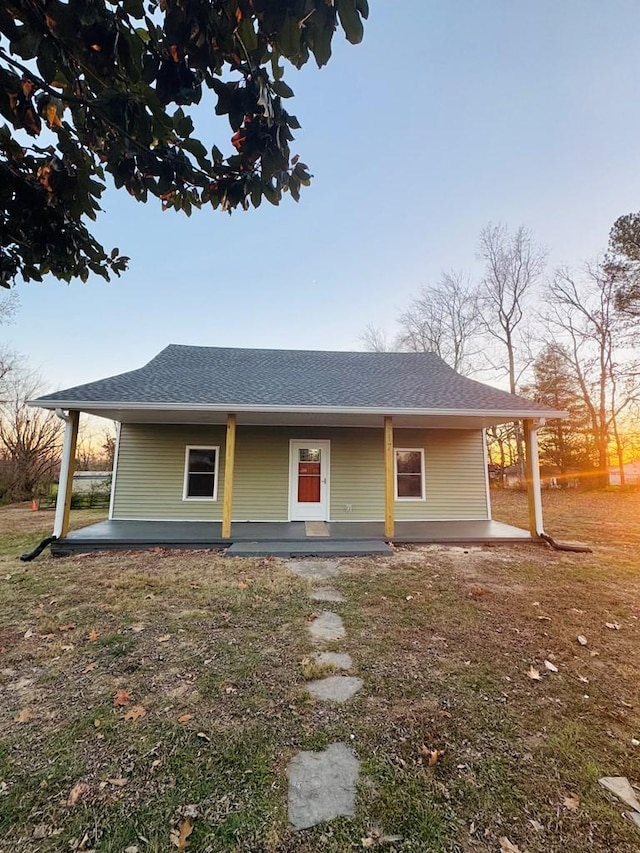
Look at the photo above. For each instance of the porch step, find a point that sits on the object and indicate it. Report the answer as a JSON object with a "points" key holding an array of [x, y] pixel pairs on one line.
{"points": [[335, 548]]}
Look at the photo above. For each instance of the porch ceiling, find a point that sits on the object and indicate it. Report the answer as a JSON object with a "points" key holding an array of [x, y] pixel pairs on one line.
{"points": [[309, 417]]}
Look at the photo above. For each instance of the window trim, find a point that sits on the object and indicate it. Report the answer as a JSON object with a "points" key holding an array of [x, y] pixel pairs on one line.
{"points": [[423, 489], [185, 482]]}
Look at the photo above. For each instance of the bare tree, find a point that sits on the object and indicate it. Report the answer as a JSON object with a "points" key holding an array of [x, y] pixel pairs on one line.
{"points": [[444, 319], [597, 338], [513, 266], [374, 339], [29, 438]]}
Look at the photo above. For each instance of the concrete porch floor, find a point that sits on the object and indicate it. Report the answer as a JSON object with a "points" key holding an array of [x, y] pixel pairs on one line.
{"points": [[282, 537]]}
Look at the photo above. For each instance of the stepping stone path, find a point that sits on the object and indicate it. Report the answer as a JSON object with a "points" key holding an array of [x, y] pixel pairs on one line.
{"points": [[335, 688], [333, 659], [322, 785], [326, 626], [314, 570], [326, 593]]}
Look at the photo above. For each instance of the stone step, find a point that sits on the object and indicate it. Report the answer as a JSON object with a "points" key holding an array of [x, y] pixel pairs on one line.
{"points": [[321, 548]]}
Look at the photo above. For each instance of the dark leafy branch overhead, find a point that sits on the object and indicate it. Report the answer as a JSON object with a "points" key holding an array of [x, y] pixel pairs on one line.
{"points": [[90, 88]]}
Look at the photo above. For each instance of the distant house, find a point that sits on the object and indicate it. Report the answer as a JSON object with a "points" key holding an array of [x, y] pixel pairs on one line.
{"points": [[249, 436], [88, 481], [631, 474]]}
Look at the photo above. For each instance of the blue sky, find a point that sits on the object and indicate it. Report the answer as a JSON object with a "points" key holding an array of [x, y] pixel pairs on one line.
{"points": [[450, 114]]}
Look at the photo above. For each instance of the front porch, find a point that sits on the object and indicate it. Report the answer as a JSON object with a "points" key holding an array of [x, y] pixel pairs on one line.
{"points": [[350, 538]]}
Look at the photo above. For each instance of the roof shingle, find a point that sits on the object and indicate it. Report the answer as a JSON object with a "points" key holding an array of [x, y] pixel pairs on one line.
{"points": [[223, 376]]}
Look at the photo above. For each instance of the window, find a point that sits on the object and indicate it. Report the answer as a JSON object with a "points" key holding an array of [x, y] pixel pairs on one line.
{"points": [[409, 464], [201, 473]]}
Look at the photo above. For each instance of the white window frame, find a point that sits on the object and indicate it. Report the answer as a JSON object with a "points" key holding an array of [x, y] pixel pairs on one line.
{"points": [[420, 450], [185, 483]]}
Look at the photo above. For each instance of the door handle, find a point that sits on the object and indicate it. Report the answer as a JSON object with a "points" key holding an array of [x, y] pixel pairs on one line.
{"points": [[324, 480]]}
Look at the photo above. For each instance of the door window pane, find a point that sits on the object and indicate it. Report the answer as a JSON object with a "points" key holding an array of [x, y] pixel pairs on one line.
{"points": [[309, 475]]}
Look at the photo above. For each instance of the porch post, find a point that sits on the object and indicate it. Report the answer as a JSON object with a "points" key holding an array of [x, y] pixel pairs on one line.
{"points": [[389, 526], [532, 472], [229, 461], [67, 466]]}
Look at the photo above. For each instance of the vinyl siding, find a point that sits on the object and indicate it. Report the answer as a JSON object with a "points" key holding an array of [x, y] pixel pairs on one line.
{"points": [[150, 473]]}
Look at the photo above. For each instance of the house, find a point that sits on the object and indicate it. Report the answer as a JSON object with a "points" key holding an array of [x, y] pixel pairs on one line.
{"points": [[220, 444], [631, 474], [89, 481]]}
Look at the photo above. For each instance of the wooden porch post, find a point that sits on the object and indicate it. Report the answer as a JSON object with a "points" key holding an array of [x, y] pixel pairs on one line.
{"points": [[389, 525], [532, 473], [65, 481], [229, 462]]}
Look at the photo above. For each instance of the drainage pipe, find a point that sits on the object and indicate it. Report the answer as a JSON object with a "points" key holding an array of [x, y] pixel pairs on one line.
{"points": [[532, 447]]}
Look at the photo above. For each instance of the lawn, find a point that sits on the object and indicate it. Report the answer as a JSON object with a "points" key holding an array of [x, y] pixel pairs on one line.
{"points": [[142, 693]]}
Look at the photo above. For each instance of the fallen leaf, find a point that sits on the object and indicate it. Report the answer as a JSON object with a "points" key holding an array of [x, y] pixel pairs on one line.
{"points": [[40, 831], [179, 837], [137, 628], [433, 757], [368, 842], [135, 713], [28, 634], [92, 635], [119, 782], [312, 617], [203, 736], [507, 846], [23, 716], [165, 638], [582, 640], [97, 723], [534, 674], [184, 718], [70, 626], [121, 697], [571, 802], [78, 791], [613, 626], [536, 824], [90, 666], [156, 763], [242, 585], [550, 666]]}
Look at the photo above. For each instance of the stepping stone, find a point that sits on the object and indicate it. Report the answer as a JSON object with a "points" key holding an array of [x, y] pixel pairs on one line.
{"points": [[338, 661], [326, 593], [314, 569], [327, 626], [322, 785], [335, 688]]}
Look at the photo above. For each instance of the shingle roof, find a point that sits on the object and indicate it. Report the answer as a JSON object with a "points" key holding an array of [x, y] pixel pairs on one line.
{"points": [[221, 376]]}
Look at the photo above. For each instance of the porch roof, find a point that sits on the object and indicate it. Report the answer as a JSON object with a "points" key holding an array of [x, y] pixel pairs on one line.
{"points": [[185, 384]]}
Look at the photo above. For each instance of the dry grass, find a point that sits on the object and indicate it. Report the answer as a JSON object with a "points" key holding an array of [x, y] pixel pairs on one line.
{"points": [[213, 650]]}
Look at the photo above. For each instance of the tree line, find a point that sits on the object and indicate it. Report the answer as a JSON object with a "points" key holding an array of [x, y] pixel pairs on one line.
{"points": [[562, 337], [31, 439]]}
